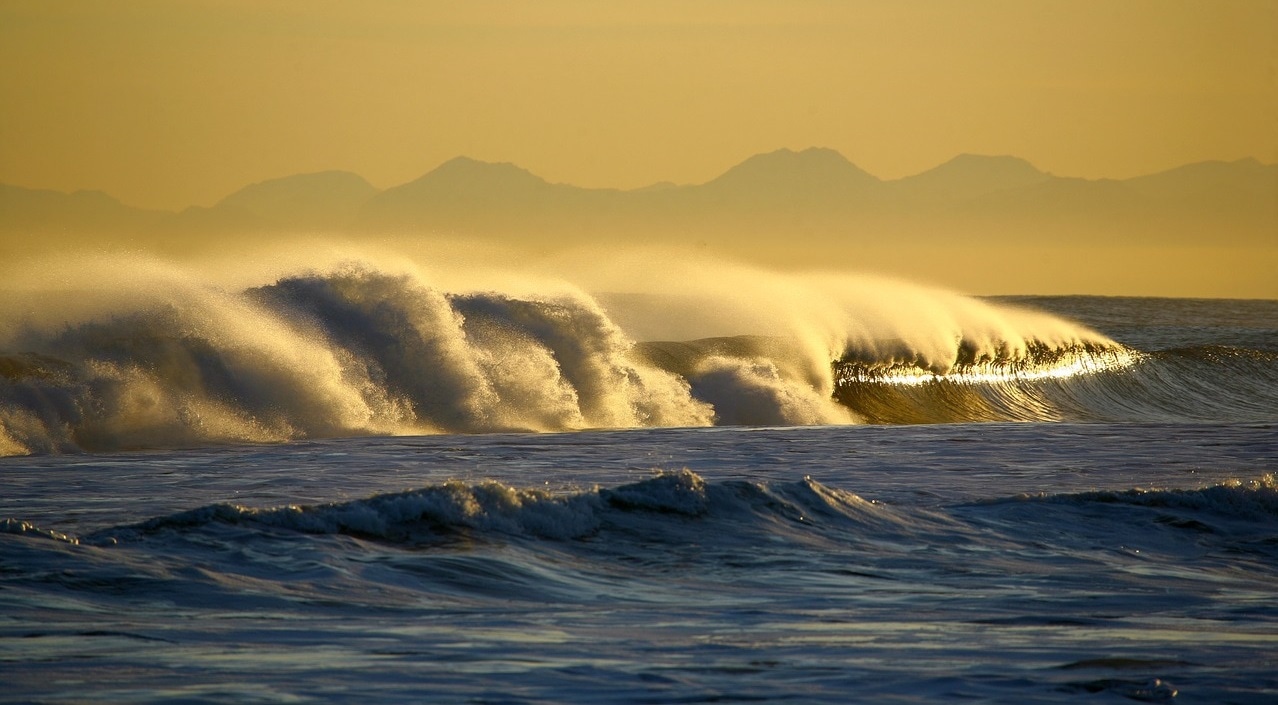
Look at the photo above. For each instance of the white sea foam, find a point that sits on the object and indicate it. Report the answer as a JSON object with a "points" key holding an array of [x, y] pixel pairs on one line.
{"points": [[159, 356]]}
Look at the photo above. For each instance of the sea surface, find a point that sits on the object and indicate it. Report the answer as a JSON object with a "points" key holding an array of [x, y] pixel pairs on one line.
{"points": [[306, 492]]}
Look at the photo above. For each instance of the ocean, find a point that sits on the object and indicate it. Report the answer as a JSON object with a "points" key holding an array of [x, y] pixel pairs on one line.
{"points": [[354, 487]]}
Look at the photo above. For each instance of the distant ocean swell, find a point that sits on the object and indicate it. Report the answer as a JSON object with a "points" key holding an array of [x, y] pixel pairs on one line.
{"points": [[357, 352], [678, 507]]}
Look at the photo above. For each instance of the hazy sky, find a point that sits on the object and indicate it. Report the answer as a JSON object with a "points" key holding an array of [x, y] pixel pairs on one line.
{"points": [[167, 103]]}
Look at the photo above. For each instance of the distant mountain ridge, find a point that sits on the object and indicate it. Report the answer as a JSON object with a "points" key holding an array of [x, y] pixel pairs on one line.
{"points": [[815, 192], [313, 199], [970, 176], [797, 173]]}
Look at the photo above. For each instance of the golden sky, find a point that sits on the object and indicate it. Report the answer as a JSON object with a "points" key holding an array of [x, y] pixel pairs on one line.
{"points": [[168, 103]]}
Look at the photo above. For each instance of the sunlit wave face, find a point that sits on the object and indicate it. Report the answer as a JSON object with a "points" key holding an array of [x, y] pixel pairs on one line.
{"points": [[1065, 364]]}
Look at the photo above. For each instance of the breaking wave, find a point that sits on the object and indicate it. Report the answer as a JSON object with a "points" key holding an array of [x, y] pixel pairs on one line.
{"points": [[161, 359]]}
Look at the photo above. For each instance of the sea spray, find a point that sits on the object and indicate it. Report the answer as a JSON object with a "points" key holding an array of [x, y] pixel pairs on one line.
{"points": [[753, 392], [589, 353], [161, 356]]}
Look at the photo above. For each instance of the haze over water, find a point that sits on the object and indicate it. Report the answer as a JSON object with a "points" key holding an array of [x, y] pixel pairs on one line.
{"points": [[1084, 112]]}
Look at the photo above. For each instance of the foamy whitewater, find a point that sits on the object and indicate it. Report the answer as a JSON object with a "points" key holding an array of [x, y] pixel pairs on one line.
{"points": [[365, 484]]}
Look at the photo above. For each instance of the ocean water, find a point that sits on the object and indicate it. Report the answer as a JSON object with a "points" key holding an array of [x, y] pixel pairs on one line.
{"points": [[352, 487]]}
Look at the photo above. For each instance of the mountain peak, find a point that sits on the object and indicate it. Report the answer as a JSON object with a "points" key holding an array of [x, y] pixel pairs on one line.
{"points": [[785, 169], [468, 169], [989, 165], [970, 175], [1243, 181], [319, 184], [323, 199], [457, 191], [788, 159]]}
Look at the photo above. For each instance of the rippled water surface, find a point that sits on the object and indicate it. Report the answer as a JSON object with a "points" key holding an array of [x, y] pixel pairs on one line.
{"points": [[1009, 563]]}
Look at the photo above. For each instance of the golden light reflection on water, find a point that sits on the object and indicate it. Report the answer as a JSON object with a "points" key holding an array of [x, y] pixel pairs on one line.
{"points": [[1070, 364]]}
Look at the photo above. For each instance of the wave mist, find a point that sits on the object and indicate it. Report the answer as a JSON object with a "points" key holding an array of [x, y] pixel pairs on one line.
{"points": [[127, 352]]}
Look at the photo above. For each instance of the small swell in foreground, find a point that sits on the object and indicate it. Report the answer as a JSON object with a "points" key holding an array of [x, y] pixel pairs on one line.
{"points": [[647, 510], [677, 507]]}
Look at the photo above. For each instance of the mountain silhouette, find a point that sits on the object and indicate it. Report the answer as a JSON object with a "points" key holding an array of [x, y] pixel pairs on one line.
{"points": [[38, 220], [968, 176], [1240, 191], [466, 195], [42, 209], [813, 174], [323, 200], [815, 201]]}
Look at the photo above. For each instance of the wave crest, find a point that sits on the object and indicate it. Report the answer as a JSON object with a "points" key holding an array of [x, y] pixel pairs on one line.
{"points": [[1251, 499], [170, 361], [654, 509]]}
